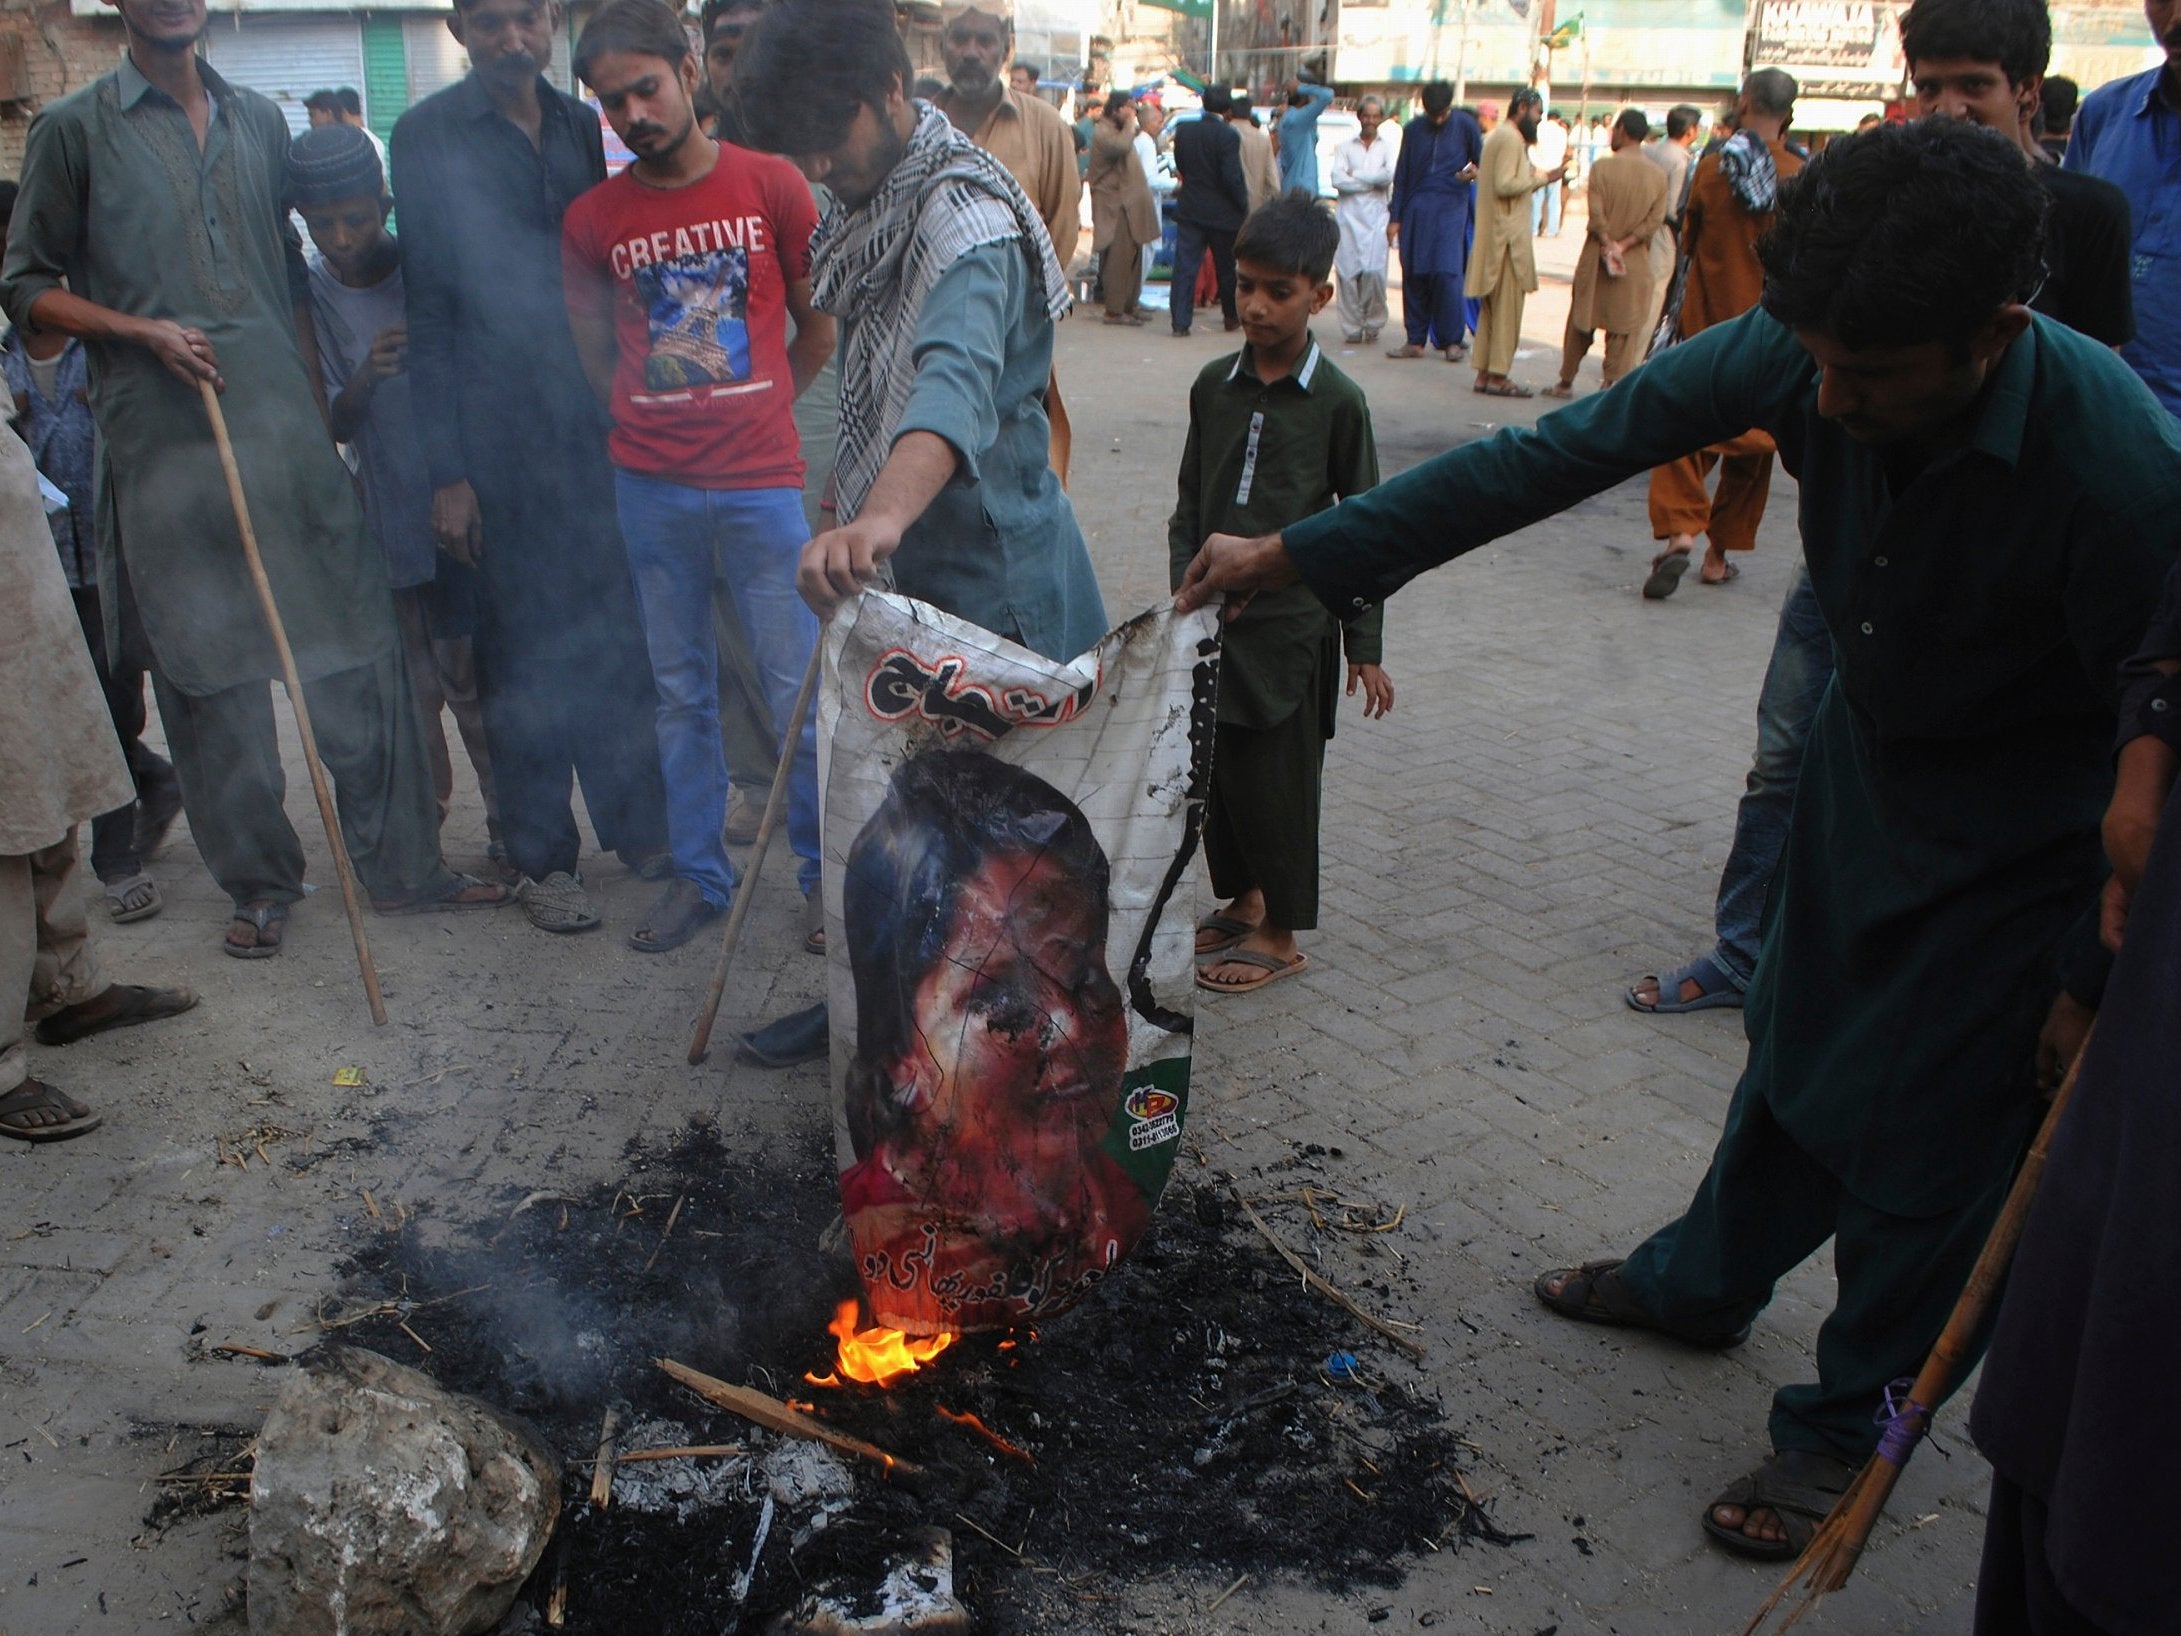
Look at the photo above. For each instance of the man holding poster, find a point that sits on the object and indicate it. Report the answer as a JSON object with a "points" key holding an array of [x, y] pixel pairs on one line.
{"points": [[946, 287]]}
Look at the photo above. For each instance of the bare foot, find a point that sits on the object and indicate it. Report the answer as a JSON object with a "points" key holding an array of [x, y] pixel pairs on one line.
{"points": [[1270, 941], [1763, 1523]]}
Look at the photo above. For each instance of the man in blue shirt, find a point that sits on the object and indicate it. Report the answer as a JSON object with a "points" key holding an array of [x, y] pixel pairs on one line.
{"points": [[2129, 132], [946, 287], [1296, 136]]}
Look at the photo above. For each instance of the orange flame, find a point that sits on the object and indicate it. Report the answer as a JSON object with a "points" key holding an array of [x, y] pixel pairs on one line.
{"points": [[876, 1357], [1013, 1451]]}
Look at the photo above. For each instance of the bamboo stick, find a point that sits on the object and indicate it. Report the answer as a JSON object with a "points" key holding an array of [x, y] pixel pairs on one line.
{"points": [[700, 1041], [1408, 1343], [294, 684]]}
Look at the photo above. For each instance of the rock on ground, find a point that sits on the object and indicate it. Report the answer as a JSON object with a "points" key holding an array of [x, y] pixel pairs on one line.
{"points": [[384, 1506]]}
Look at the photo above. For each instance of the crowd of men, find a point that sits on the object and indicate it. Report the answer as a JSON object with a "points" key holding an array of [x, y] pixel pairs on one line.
{"points": [[594, 512]]}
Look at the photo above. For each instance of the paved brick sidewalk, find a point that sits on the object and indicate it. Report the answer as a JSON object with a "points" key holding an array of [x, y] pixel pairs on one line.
{"points": [[1542, 819]]}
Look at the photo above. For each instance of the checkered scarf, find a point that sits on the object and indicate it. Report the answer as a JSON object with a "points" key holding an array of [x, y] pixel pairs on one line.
{"points": [[874, 267]]}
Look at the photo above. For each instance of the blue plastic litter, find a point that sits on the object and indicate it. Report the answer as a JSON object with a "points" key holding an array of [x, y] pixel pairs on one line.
{"points": [[1343, 1366]]}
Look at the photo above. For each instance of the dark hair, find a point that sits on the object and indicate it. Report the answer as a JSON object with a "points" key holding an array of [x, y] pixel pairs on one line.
{"points": [[350, 99], [8, 191], [928, 88], [1529, 98], [2060, 96], [1036, 72], [1681, 120], [1771, 91], [1298, 98], [1438, 97], [1291, 232], [2016, 34], [1905, 234], [1218, 99], [1632, 124], [642, 28], [1239, 106], [714, 10], [327, 101], [945, 813], [1116, 101], [807, 68]]}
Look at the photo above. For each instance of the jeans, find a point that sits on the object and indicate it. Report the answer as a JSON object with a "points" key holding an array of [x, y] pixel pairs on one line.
{"points": [[1794, 681], [681, 542]]}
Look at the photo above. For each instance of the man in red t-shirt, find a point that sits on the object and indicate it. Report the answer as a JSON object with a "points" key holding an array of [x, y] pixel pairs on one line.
{"points": [[681, 273]]}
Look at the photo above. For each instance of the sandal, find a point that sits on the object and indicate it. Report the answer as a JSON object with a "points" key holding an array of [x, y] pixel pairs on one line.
{"points": [[1412, 350], [557, 903], [136, 898], [1456, 355], [268, 930], [1715, 987], [1504, 389], [1592, 1294], [1558, 391], [460, 892], [1666, 571], [123, 1005], [1273, 967], [1226, 928], [36, 1112], [1728, 572], [814, 923], [1798, 1486], [679, 915]]}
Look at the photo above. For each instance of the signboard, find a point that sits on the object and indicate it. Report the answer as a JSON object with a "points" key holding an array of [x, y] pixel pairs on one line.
{"points": [[1834, 48]]}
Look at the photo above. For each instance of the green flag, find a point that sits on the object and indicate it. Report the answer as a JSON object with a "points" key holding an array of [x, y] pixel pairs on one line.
{"points": [[1199, 9]]}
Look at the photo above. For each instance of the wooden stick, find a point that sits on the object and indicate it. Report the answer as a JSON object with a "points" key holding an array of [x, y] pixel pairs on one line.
{"points": [[1229, 1591], [602, 1467], [774, 1415], [1408, 1343], [694, 1451], [672, 1216], [746, 890], [1831, 1556], [296, 701]]}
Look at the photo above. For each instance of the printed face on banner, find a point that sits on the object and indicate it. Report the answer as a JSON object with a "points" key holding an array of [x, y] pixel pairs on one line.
{"points": [[1012, 1092]]}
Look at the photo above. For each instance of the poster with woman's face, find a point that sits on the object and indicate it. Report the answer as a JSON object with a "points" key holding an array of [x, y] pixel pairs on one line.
{"points": [[1007, 843]]}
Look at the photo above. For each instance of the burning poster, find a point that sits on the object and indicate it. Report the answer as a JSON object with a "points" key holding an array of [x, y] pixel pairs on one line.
{"points": [[1007, 842]]}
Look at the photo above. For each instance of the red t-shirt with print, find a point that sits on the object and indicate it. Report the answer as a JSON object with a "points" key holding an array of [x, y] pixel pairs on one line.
{"points": [[696, 279]]}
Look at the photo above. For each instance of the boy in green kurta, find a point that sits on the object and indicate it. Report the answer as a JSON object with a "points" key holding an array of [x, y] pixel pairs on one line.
{"points": [[1276, 433]]}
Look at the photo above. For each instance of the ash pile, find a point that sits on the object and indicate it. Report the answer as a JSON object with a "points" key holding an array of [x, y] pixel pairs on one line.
{"points": [[1204, 1416]]}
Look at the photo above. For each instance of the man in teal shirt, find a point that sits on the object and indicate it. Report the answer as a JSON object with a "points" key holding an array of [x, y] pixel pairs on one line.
{"points": [[1296, 135], [945, 282], [1989, 503]]}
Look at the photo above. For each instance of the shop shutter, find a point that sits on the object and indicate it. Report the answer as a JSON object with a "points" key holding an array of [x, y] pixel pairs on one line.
{"points": [[286, 57]]}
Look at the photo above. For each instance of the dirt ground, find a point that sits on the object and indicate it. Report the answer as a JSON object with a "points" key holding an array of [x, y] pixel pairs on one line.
{"points": [[1542, 819]]}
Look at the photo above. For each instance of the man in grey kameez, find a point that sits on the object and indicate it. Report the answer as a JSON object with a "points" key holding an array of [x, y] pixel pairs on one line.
{"points": [[59, 765], [155, 192]]}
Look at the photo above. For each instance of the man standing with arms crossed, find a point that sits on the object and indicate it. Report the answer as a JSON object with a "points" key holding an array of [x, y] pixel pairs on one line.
{"points": [[681, 274], [152, 224], [947, 291], [517, 447]]}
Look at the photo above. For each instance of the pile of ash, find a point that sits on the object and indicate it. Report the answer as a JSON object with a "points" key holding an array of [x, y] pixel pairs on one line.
{"points": [[1199, 1414]]}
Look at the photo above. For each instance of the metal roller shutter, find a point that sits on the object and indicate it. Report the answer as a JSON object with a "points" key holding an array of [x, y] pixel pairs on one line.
{"points": [[286, 58], [436, 58]]}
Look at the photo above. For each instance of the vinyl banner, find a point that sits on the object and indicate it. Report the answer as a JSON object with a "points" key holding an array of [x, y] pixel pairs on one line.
{"points": [[1009, 933]]}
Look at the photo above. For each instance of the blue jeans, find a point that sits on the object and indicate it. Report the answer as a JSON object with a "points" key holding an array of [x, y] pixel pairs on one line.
{"points": [[1794, 681], [681, 541]]}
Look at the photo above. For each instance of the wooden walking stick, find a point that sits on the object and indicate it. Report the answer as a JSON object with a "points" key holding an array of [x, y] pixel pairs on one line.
{"points": [[294, 685], [1835, 1548], [701, 1042]]}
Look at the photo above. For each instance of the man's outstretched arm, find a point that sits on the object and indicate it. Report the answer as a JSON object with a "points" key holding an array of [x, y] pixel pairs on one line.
{"points": [[1708, 389]]}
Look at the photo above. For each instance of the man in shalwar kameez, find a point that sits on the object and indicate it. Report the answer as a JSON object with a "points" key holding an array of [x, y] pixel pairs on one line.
{"points": [[1362, 189], [1430, 221], [1989, 503], [152, 224], [60, 764]]}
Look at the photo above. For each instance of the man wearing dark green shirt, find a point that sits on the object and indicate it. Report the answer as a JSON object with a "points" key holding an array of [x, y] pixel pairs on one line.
{"points": [[1988, 504]]}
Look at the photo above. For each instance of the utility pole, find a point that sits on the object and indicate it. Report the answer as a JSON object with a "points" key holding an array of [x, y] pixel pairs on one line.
{"points": [[1461, 59]]}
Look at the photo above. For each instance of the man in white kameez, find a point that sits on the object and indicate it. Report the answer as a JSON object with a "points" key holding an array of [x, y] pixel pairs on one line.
{"points": [[1363, 186], [60, 764]]}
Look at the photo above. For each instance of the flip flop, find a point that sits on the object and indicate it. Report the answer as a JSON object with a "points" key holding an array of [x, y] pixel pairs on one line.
{"points": [[266, 917], [1715, 987], [1592, 1294], [1732, 573], [1558, 392], [1273, 967], [123, 1005], [1799, 1486], [1227, 929], [35, 1096], [136, 898], [679, 915], [1410, 351], [458, 893], [1504, 389], [1666, 571]]}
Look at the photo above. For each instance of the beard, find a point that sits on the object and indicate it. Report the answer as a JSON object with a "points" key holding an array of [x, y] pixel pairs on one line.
{"points": [[972, 78]]}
